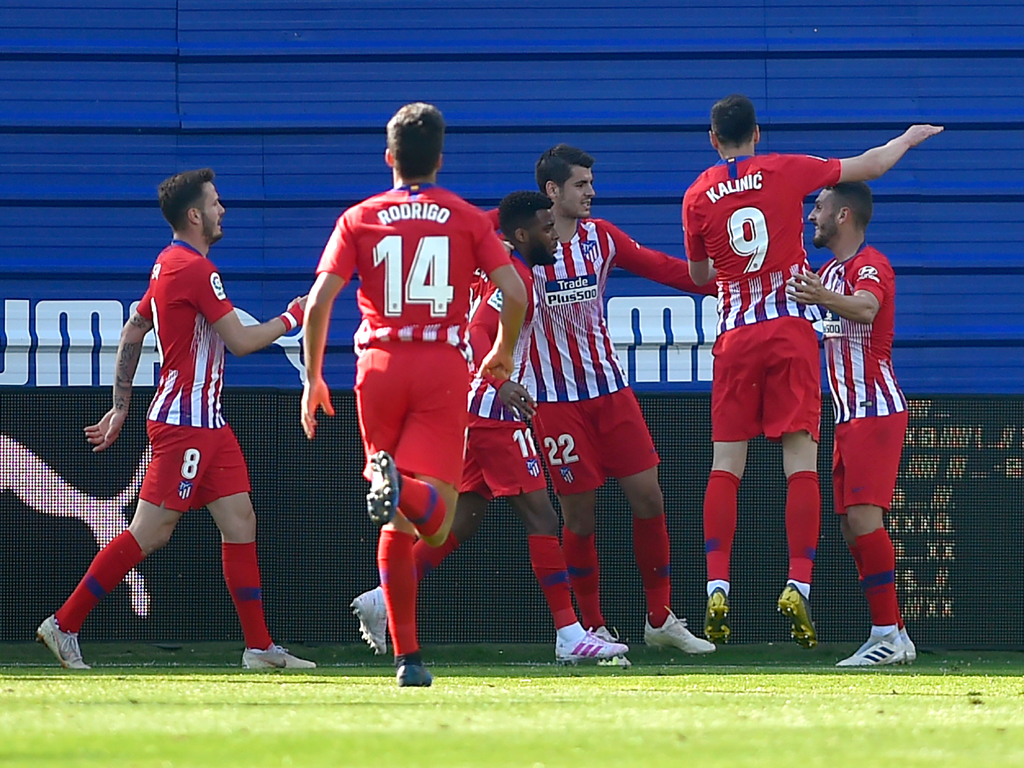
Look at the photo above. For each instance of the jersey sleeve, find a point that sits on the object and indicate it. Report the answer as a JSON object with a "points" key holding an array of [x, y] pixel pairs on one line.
{"points": [[207, 291], [692, 239], [874, 274], [489, 251], [483, 327], [145, 307], [339, 256], [809, 173], [651, 264]]}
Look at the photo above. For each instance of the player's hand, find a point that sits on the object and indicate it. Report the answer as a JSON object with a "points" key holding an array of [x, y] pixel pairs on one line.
{"points": [[514, 396], [497, 364], [315, 395], [806, 288], [915, 134], [104, 432]]}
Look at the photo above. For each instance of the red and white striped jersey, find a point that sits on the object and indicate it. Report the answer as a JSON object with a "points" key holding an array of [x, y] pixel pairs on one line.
{"points": [[747, 215], [184, 299], [572, 357], [859, 355], [416, 249], [484, 402]]}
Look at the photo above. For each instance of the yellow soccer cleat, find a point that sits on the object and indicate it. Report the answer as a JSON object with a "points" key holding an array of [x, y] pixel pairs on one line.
{"points": [[793, 605], [716, 618]]}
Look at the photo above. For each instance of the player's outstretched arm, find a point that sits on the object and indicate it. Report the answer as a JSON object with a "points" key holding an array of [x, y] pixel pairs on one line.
{"points": [[315, 394], [807, 288], [242, 340], [498, 362], [129, 348], [876, 162]]}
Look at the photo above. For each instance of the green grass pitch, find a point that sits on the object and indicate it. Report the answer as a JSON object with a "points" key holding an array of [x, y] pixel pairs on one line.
{"points": [[145, 705]]}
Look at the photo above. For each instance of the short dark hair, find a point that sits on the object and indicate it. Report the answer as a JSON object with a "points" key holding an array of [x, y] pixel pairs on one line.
{"points": [[181, 192], [557, 163], [518, 209], [855, 195], [416, 138], [733, 119]]}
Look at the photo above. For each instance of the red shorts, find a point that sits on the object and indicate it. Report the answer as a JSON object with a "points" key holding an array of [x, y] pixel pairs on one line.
{"points": [[192, 466], [866, 460], [767, 381], [501, 461], [586, 442], [411, 398]]}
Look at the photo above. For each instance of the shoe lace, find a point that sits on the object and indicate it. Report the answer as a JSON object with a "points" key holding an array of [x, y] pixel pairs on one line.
{"points": [[69, 646]]}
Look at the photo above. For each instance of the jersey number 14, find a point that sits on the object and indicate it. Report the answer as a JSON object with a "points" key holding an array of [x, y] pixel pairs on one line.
{"points": [[427, 282]]}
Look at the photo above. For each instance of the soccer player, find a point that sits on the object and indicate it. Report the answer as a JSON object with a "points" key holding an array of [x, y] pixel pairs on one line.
{"points": [[744, 215], [416, 248], [857, 289], [588, 418], [197, 461], [501, 458]]}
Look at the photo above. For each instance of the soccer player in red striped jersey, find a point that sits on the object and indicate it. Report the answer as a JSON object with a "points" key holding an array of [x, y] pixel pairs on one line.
{"points": [[196, 459], [416, 248], [501, 458], [857, 290], [588, 418], [744, 216]]}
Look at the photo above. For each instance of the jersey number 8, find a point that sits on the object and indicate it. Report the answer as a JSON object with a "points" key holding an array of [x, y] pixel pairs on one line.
{"points": [[748, 236]]}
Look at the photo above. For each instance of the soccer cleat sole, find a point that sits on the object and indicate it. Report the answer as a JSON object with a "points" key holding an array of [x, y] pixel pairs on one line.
{"points": [[802, 630], [382, 502], [716, 620]]}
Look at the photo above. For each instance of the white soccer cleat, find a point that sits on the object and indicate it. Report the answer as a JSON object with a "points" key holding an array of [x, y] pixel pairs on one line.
{"points": [[674, 634], [909, 649], [369, 608], [877, 652], [63, 644], [591, 647], [611, 636], [275, 657]]}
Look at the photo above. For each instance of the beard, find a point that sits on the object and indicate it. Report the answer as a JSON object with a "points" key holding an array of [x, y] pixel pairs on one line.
{"points": [[538, 255], [824, 233], [211, 231]]}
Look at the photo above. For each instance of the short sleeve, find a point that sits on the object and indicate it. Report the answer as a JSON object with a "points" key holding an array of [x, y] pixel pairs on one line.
{"points": [[207, 290], [692, 240], [809, 173], [339, 256], [489, 250], [874, 275], [145, 306]]}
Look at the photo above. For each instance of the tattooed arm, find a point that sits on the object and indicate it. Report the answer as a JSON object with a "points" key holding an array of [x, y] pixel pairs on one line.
{"points": [[106, 430]]}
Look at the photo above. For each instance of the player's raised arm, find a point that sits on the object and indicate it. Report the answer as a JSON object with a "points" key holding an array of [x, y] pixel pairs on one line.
{"points": [[654, 265], [877, 161], [242, 340], [129, 348], [498, 362]]}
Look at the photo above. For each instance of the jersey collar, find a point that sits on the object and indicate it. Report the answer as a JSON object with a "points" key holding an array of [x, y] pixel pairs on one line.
{"points": [[183, 244]]}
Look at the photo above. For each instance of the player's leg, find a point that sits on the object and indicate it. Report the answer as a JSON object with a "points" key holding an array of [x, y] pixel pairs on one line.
{"points": [[572, 456], [792, 414], [150, 529]]}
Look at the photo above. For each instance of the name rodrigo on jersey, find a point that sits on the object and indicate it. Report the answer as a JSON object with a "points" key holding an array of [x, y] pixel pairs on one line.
{"points": [[742, 184], [428, 211]]}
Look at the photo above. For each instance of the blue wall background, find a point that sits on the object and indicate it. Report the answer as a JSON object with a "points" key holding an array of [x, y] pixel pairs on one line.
{"points": [[287, 101]]}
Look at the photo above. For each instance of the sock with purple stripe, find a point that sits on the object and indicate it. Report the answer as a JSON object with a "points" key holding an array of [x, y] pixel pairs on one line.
{"points": [[106, 571], [422, 505], [651, 550], [584, 575], [879, 580], [242, 575]]}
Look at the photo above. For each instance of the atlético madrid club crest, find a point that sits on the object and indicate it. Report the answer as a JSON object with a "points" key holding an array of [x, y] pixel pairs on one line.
{"points": [[533, 466], [588, 249], [566, 474], [185, 489]]}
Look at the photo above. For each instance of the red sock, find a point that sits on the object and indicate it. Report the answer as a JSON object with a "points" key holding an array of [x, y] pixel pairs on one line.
{"points": [[720, 522], [427, 558], [584, 575], [879, 580], [857, 559], [803, 523], [398, 578], [549, 567], [422, 505], [650, 548], [106, 571], [242, 575]]}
